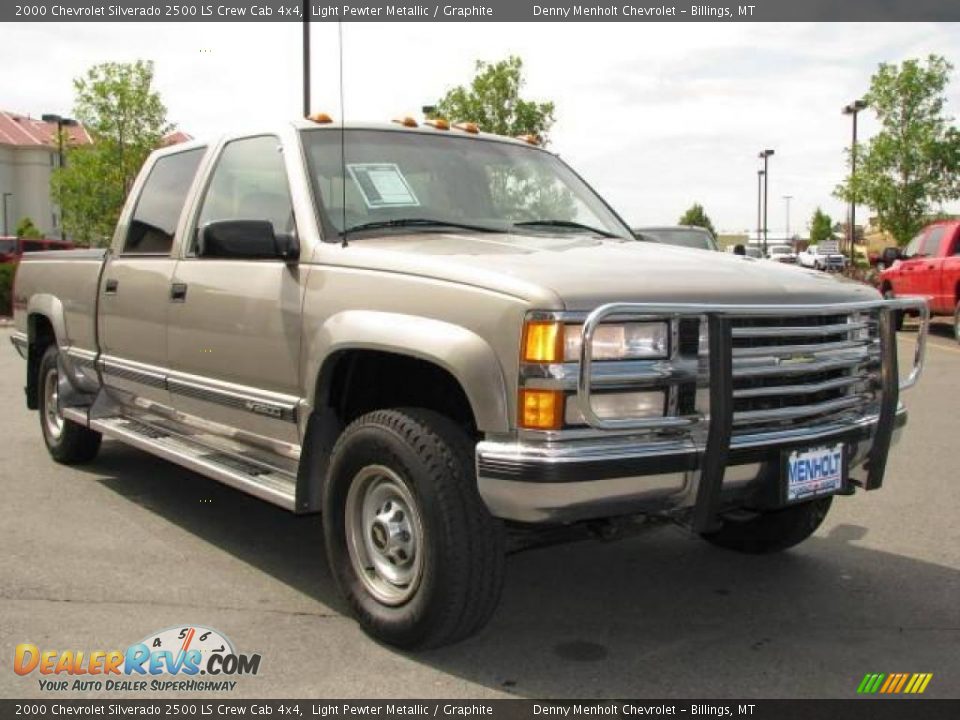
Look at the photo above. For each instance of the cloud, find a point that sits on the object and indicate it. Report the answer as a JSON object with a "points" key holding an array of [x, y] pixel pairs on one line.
{"points": [[655, 116]]}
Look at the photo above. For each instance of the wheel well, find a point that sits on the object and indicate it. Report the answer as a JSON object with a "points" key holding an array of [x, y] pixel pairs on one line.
{"points": [[41, 336], [355, 382]]}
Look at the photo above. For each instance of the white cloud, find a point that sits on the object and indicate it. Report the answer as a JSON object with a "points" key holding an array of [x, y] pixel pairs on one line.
{"points": [[655, 116]]}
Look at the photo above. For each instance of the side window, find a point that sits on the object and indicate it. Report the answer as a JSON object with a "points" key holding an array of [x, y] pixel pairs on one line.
{"points": [[931, 246], [30, 246], [249, 182], [158, 208], [913, 247]]}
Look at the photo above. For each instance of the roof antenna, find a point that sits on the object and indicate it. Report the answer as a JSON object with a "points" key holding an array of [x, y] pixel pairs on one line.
{"points": [[343, 142]]}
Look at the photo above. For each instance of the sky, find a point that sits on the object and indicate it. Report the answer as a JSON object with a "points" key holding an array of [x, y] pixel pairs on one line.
{"points": [[655, 116]]}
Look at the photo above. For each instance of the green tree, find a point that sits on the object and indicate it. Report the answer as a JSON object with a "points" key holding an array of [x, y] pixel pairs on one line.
{"points": [[492, 101], [695, 215], [912, 164], [26, 229], [821, 227], [126, 120]]}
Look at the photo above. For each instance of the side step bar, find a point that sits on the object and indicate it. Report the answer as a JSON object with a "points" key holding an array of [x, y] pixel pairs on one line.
{"points": [[251, 477]]}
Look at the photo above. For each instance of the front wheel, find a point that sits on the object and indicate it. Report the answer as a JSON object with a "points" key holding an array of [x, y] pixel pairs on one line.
{"points": [[773, 530], [410, 542], [66, 441]]}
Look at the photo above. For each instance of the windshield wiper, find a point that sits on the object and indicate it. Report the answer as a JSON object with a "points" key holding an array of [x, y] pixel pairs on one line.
{"points": [[420, 222], [565, 224]]}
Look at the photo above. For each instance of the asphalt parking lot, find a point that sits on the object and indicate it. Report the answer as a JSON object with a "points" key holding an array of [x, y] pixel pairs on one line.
{"points": [[98, 557]]}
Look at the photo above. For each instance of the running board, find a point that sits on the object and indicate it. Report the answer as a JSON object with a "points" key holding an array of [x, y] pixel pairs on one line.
{"points": [[266, 483]]}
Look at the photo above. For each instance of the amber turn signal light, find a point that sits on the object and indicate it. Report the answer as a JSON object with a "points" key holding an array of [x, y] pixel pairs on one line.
{"points": [[542, 342], [541, 409]]}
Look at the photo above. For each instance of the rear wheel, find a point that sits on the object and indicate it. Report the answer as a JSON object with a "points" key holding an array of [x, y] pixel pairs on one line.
{"points": [[66, 441], [772, 531], [409, 540]]}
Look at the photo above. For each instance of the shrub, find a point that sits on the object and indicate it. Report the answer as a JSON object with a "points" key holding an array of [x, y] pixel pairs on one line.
{"points": [[6, 289]]}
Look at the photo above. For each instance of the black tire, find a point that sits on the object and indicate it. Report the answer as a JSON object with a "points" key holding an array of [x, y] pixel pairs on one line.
{"points": [[73, 444], [899, 315], [462, 546], [772, 531]]}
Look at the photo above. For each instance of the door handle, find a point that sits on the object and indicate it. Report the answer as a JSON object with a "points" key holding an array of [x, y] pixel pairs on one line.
{"points": [[110, 287], [178, 292]]}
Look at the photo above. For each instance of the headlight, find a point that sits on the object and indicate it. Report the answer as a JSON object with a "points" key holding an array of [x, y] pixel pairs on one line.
{"points": [[628, 341]]}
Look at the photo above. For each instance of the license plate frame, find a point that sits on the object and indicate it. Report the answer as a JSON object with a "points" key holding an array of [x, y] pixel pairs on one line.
{"points": [[814, 471]]}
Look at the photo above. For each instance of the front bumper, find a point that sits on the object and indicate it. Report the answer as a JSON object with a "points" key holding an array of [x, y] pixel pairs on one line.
{"points": [[623, 476]]}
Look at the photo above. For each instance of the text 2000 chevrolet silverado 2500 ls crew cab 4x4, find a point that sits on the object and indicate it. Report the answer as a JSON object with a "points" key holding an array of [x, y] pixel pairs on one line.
{"points": [[488, 350]]}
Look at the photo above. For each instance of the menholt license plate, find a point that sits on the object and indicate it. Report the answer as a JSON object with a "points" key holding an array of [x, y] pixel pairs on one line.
{"points": [[813, 472]]}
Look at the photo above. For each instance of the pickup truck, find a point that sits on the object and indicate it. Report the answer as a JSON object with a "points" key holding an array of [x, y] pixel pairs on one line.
{"points": [[822, 258], [928, 267], [449, 345]]}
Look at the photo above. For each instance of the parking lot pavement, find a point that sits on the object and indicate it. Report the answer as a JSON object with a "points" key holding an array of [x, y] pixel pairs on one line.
{"points": [[98, 557]]}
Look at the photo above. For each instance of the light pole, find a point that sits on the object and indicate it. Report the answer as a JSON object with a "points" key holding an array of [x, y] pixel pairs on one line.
{"points": [[5, 225], [853, 109], [760, 175], [306, 57], [765, 154], [61, 122], [787, 199]]}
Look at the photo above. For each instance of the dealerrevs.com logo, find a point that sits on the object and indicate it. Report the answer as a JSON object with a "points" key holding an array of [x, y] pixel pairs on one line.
{"points": [[169, 660]]}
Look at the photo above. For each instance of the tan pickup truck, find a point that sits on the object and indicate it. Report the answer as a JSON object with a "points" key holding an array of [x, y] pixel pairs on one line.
{"points": [[445, 340]]}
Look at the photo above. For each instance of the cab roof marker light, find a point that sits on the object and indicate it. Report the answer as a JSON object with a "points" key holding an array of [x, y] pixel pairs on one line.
{"points": [[406, 121], [469, 127], [528, 139], [438, 124], [321, 118]]}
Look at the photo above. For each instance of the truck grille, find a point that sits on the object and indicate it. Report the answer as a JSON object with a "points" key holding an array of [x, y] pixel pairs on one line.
{"points": [[796, 371]]}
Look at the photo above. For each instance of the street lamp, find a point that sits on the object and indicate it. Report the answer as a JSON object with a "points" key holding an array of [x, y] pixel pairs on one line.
{"points": [[853, 109], [760, 174], [5, 226], [61, 122], [765, 154], [787, 199]]}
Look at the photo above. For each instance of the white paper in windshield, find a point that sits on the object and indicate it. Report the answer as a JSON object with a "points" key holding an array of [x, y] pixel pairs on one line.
{"points": [[382, 185]]}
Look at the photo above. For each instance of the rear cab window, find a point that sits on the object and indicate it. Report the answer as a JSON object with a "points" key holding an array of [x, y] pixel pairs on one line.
{"points": [[157, 212]]}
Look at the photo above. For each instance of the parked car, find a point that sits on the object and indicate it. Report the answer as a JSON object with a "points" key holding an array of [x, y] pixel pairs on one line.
{"points": [[689, 236], [822, 257], [928, 267], [439, 363], [13, 248], [782, 253]]}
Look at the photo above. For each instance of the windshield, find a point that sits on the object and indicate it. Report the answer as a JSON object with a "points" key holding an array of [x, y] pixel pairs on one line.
{"points": [[684, 237], [8, 246], [412, 181], [780, 250]]}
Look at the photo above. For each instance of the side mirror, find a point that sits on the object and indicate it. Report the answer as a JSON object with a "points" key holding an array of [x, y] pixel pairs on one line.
{"points": [[246, 240], [890, 255]]}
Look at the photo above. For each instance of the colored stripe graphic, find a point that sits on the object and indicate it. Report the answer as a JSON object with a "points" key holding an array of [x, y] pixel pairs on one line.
{"points": [[894, 683]]}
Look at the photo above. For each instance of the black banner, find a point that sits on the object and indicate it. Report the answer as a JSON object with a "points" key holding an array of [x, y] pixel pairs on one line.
{"points": [[478, 10], [862, 709]]}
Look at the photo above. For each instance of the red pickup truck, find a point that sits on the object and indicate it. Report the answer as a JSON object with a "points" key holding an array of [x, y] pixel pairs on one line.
{"points": [[928, 266]]}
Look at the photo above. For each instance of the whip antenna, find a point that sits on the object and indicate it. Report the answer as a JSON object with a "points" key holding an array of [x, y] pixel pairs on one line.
{"points": [[343, 140]]}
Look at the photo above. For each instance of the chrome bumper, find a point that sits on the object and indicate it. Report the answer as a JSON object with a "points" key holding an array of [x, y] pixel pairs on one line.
{"points": [[692, 462], [19, 341], [567, 483]]}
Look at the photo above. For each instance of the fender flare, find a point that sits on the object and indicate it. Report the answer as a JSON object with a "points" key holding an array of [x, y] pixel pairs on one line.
{"points": [[465, 355], [50, 307]]}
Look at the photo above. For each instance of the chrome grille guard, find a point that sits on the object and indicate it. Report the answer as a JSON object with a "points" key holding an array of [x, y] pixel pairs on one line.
{"points": [[720, 421]]}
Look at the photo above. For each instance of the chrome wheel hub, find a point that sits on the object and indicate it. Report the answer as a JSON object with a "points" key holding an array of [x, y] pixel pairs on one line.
{"points": [[384, 534], [52, 419]]}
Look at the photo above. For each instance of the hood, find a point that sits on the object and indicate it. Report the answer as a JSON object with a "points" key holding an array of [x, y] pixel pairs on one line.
{"points": [[582, 272]]}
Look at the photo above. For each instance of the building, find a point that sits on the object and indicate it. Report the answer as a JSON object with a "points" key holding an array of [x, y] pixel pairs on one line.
{"points": [[28, 154]]}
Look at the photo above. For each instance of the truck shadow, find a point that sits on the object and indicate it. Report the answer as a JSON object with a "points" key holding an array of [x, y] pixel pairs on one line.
{"points": [[656, 616]]}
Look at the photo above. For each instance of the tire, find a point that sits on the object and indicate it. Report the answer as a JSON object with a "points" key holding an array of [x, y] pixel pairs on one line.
{"points": [[899, 315], [442, 585], [67, 442], [772, 531]]}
